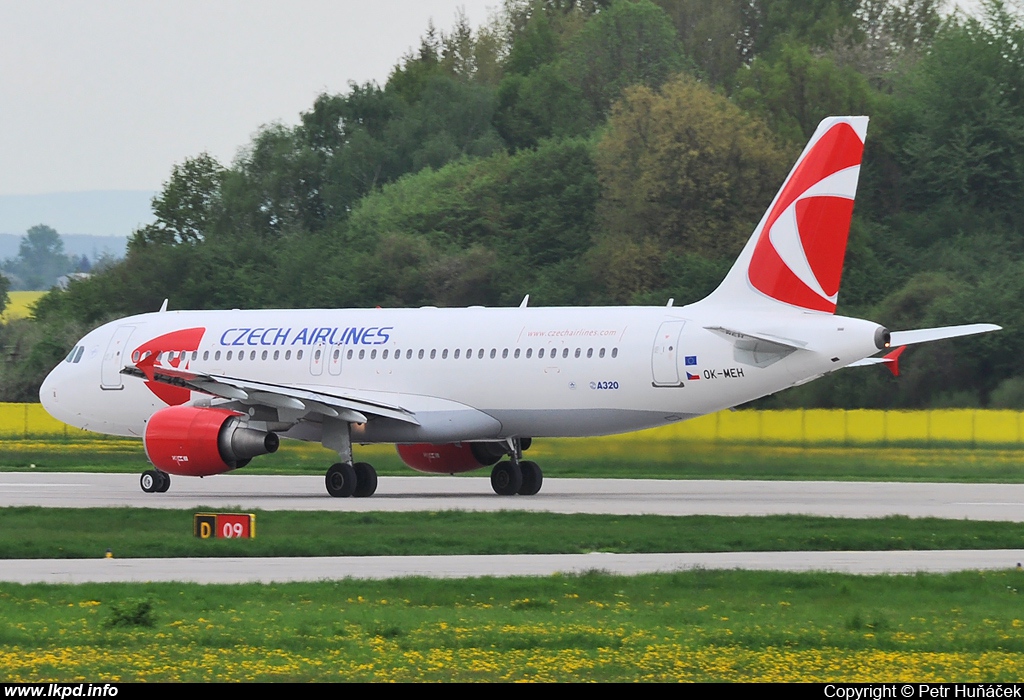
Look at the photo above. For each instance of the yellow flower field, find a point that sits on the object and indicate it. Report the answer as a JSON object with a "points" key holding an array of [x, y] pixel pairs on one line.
{"points": [[20, 305], [379, 659]]}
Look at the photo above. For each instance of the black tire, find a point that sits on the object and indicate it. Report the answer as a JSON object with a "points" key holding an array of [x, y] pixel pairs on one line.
{"points": [[532, 478], [366, 480], [150, 481], [341, 480], [165, 482], [506, 478]]}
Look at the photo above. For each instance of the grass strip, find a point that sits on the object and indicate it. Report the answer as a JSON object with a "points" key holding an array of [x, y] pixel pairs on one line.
{"points": [[34, 532], [606, 458], [687, 626]]}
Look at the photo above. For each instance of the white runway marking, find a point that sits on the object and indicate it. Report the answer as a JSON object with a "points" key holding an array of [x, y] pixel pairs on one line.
{"points": [[609, 496]]}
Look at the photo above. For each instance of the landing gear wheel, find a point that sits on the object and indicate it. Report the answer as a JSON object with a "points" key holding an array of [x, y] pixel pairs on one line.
{"points": [[532, 478], [150, 481], [366, 480], [341, 480], [506, 478], [165, 481]]}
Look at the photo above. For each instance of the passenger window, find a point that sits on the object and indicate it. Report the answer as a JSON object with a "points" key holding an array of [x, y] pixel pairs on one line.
{"points": [[601, 353], [287, 354], [362, 353], [206, 356], [480, 354], [350, 354], [298, 355], [135, 356], [565, 353], [540, 354], [264, 355], [228, 357], [590, 352], [494, 353], [317, 354], [252, 355], [373, 354], [408, 354], [216, 355], [433, 354], [529, 353], [504, 354], [384, 355], [615, 352], [420, 355], [456, 355], [517, 353], [444, 354], [577, 355], [277, 355]]}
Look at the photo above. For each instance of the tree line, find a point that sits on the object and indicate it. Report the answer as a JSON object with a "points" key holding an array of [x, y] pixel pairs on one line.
{"points": [[615, 152]]}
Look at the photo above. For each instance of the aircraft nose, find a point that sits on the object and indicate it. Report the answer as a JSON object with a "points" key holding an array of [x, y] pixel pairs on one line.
{"points": [[48, 391]]}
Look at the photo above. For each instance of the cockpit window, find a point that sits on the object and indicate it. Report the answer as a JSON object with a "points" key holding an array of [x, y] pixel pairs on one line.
{"points": [[71, 355], [78, 355]]}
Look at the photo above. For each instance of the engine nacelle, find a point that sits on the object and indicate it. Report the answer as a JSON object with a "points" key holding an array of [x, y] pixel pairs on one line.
{"points": [[451, 458], [202, 441]]}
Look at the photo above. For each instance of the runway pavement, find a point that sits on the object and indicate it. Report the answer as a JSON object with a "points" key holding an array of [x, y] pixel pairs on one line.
{"points": [[284, 569], [610, 496]]}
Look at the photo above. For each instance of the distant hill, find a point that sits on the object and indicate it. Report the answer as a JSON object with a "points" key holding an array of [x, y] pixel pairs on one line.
{"points": [[98, 213], [74, 244]]}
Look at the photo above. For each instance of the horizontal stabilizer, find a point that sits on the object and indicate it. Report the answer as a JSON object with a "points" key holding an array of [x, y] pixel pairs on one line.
{"points": [[757, 349], [927, 335], [891, 361], [734, 335]]}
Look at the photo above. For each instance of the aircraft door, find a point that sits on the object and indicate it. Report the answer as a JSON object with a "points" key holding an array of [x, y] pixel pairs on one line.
{"points": [[665, 353], [113, 358], [334, 362], [317, 359]]}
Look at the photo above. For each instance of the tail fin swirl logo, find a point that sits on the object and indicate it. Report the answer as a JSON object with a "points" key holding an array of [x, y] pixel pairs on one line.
{"points": [[798, 257]]}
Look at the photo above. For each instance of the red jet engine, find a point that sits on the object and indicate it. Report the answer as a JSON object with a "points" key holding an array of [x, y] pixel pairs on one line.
{"points": [[202, 441], [452, 458]]}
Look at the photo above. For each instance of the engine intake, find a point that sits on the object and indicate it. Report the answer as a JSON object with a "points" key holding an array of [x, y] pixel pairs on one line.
{"points": [[202, 441]]}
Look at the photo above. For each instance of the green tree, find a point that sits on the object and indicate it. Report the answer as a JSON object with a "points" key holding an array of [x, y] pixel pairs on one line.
{"points": [[41, 259], [794, 90], [5, 285], [187, 206], [959, 116], [630, 43], [686, 168]]}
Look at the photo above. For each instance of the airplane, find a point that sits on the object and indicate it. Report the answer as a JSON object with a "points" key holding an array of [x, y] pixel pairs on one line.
{"points": [[458, 389]]}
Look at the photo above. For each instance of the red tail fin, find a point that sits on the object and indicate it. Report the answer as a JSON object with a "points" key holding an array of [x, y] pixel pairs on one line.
{"points": [[795, 255]]}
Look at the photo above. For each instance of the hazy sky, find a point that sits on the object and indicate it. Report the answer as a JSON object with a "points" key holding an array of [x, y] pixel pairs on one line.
{"points": [[109, 94]]}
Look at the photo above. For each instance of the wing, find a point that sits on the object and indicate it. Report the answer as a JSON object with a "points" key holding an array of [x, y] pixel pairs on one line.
{"points": [[348, 405]]}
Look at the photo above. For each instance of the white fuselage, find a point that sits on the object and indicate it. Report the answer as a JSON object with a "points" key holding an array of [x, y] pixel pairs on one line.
{"points": [[466, 374]]}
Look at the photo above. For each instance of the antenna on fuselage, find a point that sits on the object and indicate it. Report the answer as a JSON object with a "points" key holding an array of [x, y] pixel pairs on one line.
{"points": [[163, 307], [671, 301], [524, 302]]}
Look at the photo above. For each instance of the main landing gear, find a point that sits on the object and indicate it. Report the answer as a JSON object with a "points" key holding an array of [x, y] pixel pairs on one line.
{"points": [[516, 476], [344, 480], [155, 481]]}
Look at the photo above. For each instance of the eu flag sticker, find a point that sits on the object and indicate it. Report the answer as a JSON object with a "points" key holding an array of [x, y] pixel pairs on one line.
{"points": [[691, 359]]}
